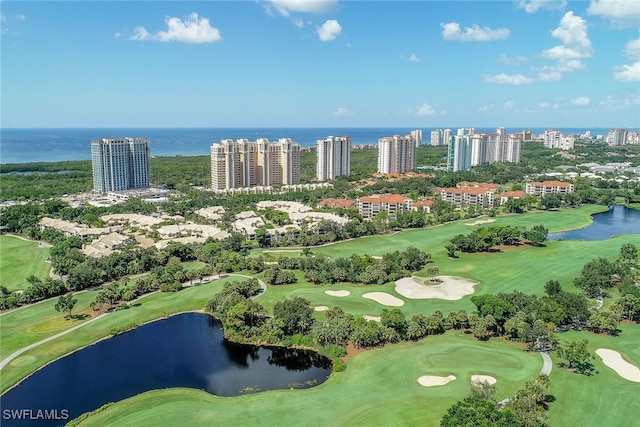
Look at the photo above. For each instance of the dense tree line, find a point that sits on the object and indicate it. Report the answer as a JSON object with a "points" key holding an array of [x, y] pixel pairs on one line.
{"points": [[320, 269], [483, 239], [527, 408]]}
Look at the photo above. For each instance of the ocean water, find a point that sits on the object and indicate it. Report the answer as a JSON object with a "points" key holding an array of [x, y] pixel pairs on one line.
{"points": [[52, 145]]}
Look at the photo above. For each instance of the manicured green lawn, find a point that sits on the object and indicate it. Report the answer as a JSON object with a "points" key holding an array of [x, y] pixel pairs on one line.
{"points": [[25, 326], [20, 259], [149, 308], [379, 387], [604, 398]]}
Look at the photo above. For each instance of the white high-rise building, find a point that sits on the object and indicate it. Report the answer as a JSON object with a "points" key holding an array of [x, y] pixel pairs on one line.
{"points": [[617, 137], [245, 163], [446, 136], [417, 137], [437, 137], [471, 149], [334, 157], [396, 154], [120, 164]]}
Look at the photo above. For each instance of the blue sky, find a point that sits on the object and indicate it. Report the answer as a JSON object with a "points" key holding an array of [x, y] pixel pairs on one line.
{"points": [[309, 63]]}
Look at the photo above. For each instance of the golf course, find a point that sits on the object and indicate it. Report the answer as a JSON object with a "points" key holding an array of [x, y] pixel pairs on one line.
{"points": [[380, 385]]}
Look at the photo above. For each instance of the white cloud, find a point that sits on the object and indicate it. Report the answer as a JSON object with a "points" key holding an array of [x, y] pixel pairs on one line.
{"points": [[582, 101], [546, 105], [611, 103], [627, 73], [485, 108], [285, 7], [342, 112], [425, 110], [329, 30], [193, 29], [3, 17], [20, 17], [548, 74], [572, 32], [509, 105], [620, 13], [508, 79], [451, 31], [532, 6], [512, 60], [412, 58], [632, 48]]}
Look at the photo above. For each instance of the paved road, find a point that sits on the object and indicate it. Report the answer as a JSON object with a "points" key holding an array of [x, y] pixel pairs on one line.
{"points": [[547, 364]]}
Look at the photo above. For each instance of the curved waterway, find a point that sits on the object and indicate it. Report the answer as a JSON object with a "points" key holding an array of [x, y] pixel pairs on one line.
{"points": [[186, 350], [617, 221]]}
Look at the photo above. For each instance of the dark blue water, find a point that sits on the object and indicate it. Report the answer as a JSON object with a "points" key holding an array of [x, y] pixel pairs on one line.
{"points": [[617, 221], [186, 350], [52, 145]]}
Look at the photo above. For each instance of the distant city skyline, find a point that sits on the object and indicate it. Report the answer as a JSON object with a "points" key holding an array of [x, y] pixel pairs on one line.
{"points": [[293, 63]]}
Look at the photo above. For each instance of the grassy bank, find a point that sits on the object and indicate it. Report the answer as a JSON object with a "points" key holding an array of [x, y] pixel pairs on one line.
{"points": [[21, 259], [604, 398], [379, 384], [149, 308]]}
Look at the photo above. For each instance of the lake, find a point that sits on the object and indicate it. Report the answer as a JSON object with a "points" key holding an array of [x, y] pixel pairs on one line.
{"points": [[617, 221], [186, 350]]}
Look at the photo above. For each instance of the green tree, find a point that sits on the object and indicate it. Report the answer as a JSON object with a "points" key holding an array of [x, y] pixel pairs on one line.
{"points": [[629, 254], [596, 275], [295, 315], [577, 355], [65, 304], [474, 412]]}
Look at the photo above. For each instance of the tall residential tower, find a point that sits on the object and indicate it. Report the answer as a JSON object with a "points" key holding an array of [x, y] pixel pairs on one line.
{"points": [[120, 164], [396, 154], [334, 157], [245, 163]]}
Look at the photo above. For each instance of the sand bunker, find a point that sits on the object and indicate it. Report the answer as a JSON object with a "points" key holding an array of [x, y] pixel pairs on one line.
{"points": [[481, 221], [368, 318], [614, 360], [338, 293], [321, 308], [483, 378], [432, 380], [451, 288], [384, 299]]}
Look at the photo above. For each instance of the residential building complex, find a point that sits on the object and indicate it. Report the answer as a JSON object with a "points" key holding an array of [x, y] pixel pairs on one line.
{"points": [[617, 137], [245, 163], [557, 139], [334, 157], [548, 187], [440, 137], [396, 154], [480, 195], [120, 164], [469, 148], [370, 206]]}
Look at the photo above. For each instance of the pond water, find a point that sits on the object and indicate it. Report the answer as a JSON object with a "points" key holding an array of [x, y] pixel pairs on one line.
{"points": [[617, 221], [186, 350]]}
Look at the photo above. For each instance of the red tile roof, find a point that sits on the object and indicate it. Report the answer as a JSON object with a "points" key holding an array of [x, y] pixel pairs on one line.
{"points": [[338, 203], [551, 184], [384, 198], [514, 194]]}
